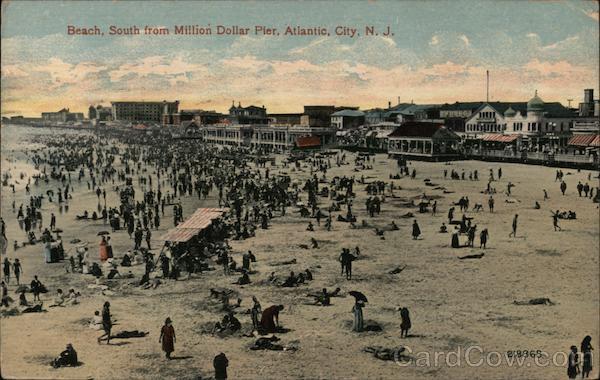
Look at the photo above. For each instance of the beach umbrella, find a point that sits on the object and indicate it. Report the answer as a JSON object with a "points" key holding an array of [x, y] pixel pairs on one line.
{"points": [[358, 296], [103, 233]]}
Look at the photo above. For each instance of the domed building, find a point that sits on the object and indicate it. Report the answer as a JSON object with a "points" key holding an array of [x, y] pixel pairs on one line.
{"points": [[533, 125], [535, 104]]}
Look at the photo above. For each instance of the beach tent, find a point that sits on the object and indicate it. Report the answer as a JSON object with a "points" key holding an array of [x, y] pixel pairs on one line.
{"points": [[201, 219]]}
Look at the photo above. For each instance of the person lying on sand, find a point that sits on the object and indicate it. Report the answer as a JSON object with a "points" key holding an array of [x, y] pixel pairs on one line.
{"points": [[280, 263], [397, 270], [535, 301], [476, 256]]}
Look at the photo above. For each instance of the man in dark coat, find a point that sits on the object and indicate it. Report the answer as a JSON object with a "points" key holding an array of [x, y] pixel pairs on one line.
{"points": [[220, 363]]}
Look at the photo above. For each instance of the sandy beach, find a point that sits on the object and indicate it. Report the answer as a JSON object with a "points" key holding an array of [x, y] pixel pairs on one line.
{"points": [[454, 304]]}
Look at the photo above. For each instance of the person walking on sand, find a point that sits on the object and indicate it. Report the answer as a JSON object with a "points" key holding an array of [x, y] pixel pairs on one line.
{"points": [[36, 288], [491, 203], [563, 187], [406, 324], [256, 312], [416, 231], [586, 351], [514, 226], [17, 269], [555, 221], [167, 338], [6, 269], [573, 363], [148, 237], [483, 237], [106, 323]]}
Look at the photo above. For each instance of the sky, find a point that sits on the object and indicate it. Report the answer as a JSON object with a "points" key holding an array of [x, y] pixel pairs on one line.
{"points": [[439, 53]]}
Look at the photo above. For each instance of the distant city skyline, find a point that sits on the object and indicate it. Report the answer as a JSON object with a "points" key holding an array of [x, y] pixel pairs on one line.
{"points": [[439, 53]]}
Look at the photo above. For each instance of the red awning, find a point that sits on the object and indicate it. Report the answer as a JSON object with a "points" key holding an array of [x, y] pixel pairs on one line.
{"points": [[595, 141], [308, 142], [582, 140], [496, 137]]}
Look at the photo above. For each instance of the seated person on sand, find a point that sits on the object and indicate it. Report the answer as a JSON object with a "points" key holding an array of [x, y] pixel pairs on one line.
{"points": [[537, 205], [126, 261], [113, 272], [290, 281], [31, 239], [229, 324], [137, 258], [67, 358], [96, 322], [323, 298], [59, 299], [243, 280], [273, 278], [535, 301], [23, 299], [310, 227], [84, 216], [443, 228], [72, 297], [95, 270], [308, 275], [394, 226]]}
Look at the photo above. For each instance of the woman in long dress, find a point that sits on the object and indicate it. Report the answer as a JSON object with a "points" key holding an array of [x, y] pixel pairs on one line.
{"points": [[167, 337], [48, 251], [358, 316], [586, 351], [103, 250], [455, 243]]}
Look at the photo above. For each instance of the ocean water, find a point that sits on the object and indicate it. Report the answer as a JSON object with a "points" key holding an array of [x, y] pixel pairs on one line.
{"points": [[15, 140]]}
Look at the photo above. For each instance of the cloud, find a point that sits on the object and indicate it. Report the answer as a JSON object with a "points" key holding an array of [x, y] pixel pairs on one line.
{"points": [[13, 71], [593, 14], [434, 40], [560, 44], [169, 69], [465, 39], [63, 73]]}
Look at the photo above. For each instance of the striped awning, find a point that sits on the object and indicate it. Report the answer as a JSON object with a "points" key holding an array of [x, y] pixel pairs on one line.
{"points": [[203, 217], [583, 140], [496, 137], [198, 221], [595, 141], [181, 235]]}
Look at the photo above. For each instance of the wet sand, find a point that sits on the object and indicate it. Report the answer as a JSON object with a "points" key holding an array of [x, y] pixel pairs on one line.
{"points": [[453, 303]]}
